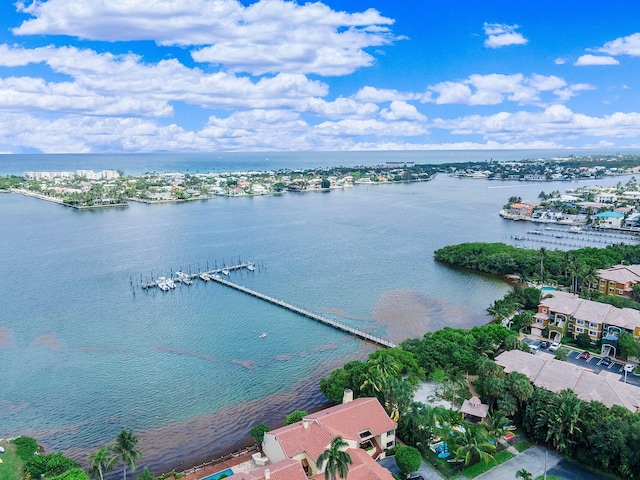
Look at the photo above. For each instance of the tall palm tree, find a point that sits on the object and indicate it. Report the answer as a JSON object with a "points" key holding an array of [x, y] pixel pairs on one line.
{"points": [[542, 255], [125, 450], [101, 461], [337, 460]]}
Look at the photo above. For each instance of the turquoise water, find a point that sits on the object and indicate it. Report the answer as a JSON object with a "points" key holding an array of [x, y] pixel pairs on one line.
{"points": [[85, 352]]}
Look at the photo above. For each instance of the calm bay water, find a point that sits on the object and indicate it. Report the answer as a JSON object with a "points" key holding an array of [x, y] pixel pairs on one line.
{"points": [[85, 352]]}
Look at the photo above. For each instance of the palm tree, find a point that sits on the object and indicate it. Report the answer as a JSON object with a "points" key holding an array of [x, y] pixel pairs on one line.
{"points": [[125, 450], [496, 423], [337, 460], [472, 445], [101, 461], [542, 255], [524, 474]]}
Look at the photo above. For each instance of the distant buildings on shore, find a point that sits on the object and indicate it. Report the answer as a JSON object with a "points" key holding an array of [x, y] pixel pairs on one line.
{"points": [[88, 174]]}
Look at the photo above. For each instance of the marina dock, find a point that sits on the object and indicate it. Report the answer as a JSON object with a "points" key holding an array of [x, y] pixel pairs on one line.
{"points": [[306, 313], [218, 274]]}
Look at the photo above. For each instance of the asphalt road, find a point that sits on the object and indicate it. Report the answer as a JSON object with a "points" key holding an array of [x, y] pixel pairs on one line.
{"points": [[533, 460]]}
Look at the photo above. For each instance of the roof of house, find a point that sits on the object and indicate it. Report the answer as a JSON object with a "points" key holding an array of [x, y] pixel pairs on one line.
{"points": [[621, 274], [348, 420], [555, 375], [363, 467], [590, 311], [610, 215], [286, 469]]}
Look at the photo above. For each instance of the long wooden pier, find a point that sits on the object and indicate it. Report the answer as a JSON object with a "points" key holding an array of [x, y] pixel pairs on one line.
{"points": [[306, 313]]}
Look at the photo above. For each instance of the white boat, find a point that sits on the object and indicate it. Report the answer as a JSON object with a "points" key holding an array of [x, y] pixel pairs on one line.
{"points": [[204, 277], [575, 229], [262, 335], [225, 271], [251, 267]]}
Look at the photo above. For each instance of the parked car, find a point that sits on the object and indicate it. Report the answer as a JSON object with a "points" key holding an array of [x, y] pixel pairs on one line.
{"points": [[544, 345], [629, 367], [554, 346], [533, 349], [606, 361], [585, 355], [415, 476]]}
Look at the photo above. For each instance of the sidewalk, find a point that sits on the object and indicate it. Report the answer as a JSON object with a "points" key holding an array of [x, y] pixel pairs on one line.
{"points": [[533, 460]]}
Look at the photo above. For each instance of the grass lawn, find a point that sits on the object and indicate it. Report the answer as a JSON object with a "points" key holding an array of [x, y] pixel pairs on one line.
{"points": [[11, 466], [475, 470], [522, 446]]}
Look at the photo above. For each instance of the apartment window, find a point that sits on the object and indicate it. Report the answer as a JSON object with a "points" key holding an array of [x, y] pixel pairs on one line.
{"points": [[593, 333], [538, 320], [390, 444], [571, 326], [593, 325], [391, 432], [544, 310], [611, 290], [580, 322], [601, 287], [619, 292], [580, 330]]}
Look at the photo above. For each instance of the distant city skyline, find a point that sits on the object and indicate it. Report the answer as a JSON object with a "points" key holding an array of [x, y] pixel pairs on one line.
{"points": [[80, 76]]}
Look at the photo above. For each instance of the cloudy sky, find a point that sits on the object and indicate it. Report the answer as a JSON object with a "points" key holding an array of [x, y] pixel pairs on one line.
{"points": [[228, 75]]}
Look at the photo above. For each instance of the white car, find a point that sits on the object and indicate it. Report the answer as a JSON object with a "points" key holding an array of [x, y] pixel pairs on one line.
{"points": [[629, 367], [554, 346]]}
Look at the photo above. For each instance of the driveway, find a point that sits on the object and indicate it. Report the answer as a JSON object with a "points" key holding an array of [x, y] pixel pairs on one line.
{"points": [[533, 460]]}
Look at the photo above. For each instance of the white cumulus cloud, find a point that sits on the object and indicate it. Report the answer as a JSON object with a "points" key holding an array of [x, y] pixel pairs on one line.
{"points": [[502, 35], [267, 36], [493, 89], [588, 59], [629, 45]]}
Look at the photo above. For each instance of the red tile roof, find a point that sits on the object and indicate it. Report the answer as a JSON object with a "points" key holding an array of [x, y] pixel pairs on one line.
{"points": [[347, 420], [287, 469], [350, 419], [363, 467]]}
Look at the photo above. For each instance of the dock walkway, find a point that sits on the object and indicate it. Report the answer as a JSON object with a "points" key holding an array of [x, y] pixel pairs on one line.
{"points": [[306, 313]]}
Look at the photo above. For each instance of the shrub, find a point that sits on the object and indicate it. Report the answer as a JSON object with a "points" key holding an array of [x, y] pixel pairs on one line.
{"points": [[25, 447], [408, 459], [51, 465], [295, 416]]}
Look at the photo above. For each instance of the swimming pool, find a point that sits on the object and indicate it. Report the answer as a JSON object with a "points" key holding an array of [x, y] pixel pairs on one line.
{"points": [[547, 288], [224, 473]]}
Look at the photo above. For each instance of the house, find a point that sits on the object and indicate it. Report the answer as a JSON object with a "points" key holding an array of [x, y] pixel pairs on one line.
{"points": [[609, 219], [285, 470], [362, 423], [618, 280], [362, 467], [567, 314], [555, 376], [521, 209]]}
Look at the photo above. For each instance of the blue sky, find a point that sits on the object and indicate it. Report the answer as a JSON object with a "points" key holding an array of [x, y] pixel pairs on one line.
{"points": [[226, 75]]}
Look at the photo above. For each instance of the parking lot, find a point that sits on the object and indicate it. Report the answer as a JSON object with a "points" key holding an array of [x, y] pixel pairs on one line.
{"points": [[593, 362]]}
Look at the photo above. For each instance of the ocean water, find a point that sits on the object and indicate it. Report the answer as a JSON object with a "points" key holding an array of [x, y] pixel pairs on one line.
{"points": [[84, 351]]}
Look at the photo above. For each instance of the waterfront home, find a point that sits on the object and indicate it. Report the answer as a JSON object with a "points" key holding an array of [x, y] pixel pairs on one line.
{"points": [[618, 280], [555, 376], [362, 423], [609, 219], [567, 314]]}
